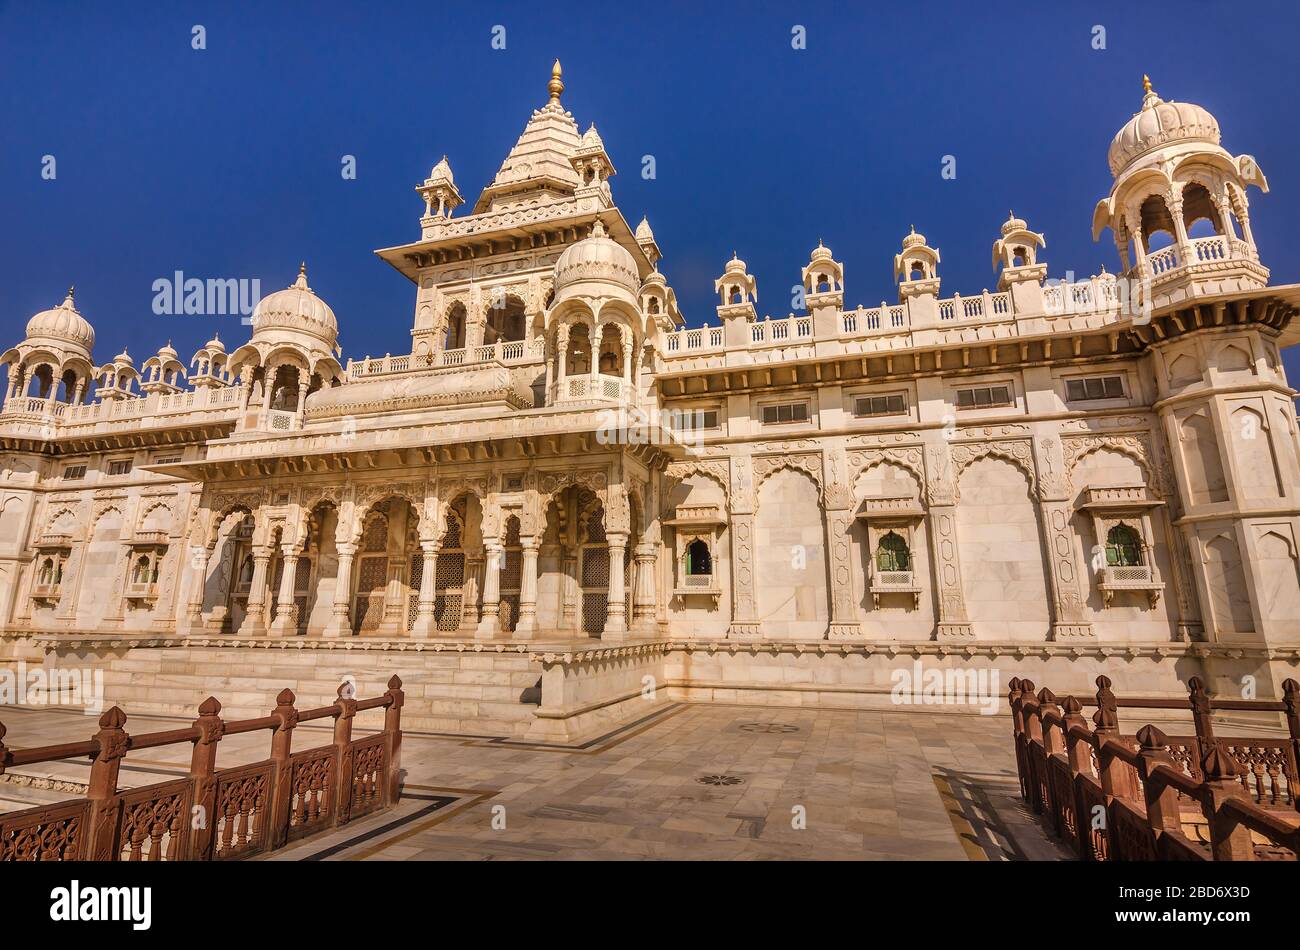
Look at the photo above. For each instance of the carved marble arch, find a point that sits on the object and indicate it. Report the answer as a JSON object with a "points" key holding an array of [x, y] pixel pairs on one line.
{"points": [[150, 507], [809, 465], [64, 519], [102, 509], [1138, 448], [1017, 452], [449, 493], [311, 517], [716, 470], [367, 497], [550, 484], [860, 461]]}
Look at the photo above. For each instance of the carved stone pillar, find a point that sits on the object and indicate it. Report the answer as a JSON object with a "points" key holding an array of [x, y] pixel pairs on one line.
{"points": [[526, 624], [569, 589], [302, 402], [487, 625], [425, 624], [941, 529], [285, 623], [616, 610], [254, 624], [469, 616], [393, 623], [643, 594], [837, 499], [340, 624], [199, 556], [1068, 621], [744, 610]]}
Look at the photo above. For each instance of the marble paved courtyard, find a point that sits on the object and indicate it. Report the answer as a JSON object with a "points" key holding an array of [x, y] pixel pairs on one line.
{"points": [[686, 782]]}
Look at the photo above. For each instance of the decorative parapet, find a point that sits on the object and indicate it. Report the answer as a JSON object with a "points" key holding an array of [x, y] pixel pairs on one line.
{"points": [[118, 414], [512, 352]]}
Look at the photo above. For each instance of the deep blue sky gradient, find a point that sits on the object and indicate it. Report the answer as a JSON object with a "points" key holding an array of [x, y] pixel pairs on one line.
{"points": [[225, 162]]}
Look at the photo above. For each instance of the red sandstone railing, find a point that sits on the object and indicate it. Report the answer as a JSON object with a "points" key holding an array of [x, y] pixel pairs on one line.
{"points": [[1152, 797], [212, 814]]}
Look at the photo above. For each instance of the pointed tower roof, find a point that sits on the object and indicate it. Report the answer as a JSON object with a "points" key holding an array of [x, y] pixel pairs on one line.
{"points": [[540, 159]]}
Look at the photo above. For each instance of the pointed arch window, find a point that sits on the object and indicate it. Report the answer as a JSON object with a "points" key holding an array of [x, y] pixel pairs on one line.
{"points": [[1123, 547], [892, 553], [699, 560]]}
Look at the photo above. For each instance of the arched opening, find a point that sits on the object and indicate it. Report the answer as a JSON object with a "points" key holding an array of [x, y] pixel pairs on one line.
{"points": [[505, 323], [1157, 224], [372, 571], [611, 351], [892, 553], [699, 560], [284, 389], [1200, 216], [42, 379], [511, 575], [1123, 547], [449, 570], [454, 334], [578, 358]]}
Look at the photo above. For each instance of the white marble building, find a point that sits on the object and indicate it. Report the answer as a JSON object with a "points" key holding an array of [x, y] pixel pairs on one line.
{"points": [[562, 497]]}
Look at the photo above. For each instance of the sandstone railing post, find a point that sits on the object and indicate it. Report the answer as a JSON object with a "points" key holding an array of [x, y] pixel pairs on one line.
{"points": [[102, 788], [1018, 732], [1229, 840], [1077, 753], [1161, 798], [347, 709], [203, 763], [282, 776], [1199, 700], [1291, 702], [1033, 734], [1117, 778], [1052, 744], [393, 730]]}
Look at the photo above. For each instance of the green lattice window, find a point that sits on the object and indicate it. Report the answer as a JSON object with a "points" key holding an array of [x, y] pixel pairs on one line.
{"points": [[1123, 547], [892, 554]]}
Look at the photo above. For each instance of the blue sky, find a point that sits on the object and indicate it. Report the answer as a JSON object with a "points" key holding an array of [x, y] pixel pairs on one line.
{"points": [[225, 162]]}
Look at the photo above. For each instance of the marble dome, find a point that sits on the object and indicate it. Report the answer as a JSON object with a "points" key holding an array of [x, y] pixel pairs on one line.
{"points": [[64, 325], [1160, 123], [296, 308], [597, 257]]}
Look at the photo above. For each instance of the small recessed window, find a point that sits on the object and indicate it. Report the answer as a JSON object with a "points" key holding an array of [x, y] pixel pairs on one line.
{"points": [[693, 420], [119, 467], [983, 397], [74, 472], [1094, 387], [785, 412], [891, 404], [166, 459]]}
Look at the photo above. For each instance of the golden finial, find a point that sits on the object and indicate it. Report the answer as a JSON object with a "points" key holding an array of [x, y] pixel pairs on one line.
{"points": [[556, 85], [1146, 84], [302, 269], [72, 291]]}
